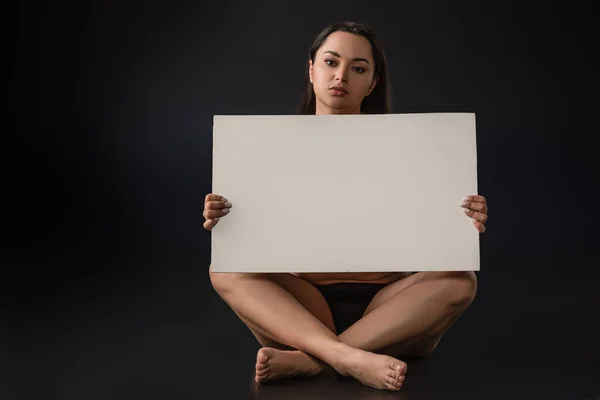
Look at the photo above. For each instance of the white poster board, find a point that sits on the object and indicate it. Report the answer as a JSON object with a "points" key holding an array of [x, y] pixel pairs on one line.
{"points": [[351, 193]]}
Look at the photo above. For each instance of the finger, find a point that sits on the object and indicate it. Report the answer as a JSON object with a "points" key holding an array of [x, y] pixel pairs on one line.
{"points": [[210, 223], [217, 205], [481, 207], [476, 215], [479, 226], [475, 198], [214, 197], [210, 214]]}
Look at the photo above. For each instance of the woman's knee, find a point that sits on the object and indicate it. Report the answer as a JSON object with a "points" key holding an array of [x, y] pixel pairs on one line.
{"points": [[220, 281], [226, 282], [463, 287]]}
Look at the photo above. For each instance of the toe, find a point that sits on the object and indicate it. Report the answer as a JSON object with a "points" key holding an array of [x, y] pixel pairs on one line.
{"points": [[261, 356], [261, 366], [400, 367], [393, 378], [398, 376], [262, 377], [390, 385]]}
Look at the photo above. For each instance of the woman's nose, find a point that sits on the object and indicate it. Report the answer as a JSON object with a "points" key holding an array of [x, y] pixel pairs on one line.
{"points": [[341, 76]]}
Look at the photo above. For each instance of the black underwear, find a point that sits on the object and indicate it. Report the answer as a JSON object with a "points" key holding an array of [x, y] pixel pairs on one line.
{"points": [[348, 301]]}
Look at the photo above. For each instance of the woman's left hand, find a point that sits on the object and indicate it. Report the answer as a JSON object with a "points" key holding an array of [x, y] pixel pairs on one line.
{"points": [[476, 207]]}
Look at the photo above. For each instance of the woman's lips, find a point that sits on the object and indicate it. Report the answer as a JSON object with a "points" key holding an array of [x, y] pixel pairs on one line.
{"points": [[338, 91]]}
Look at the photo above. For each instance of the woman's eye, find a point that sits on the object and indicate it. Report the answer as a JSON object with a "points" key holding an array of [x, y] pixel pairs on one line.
{"points": [[332, 63]]}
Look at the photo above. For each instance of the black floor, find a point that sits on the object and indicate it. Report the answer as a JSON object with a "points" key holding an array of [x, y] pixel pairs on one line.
{"points": [[167, 338]]}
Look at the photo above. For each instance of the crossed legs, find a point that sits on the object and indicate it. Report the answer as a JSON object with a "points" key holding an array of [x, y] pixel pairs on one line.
{"points": [[285, 312]]}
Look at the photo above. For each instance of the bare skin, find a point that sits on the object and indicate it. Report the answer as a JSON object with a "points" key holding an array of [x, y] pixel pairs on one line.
{"points": [[290, 317], [271, 311], [275, 363], [284, 311]]}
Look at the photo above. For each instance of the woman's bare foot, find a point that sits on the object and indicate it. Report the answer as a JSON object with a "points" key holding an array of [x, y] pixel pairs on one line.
{"points": [[274, 364], [374, 370]]}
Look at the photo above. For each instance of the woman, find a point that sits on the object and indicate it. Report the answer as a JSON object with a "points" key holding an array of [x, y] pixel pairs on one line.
{"points": [[355, 324]]}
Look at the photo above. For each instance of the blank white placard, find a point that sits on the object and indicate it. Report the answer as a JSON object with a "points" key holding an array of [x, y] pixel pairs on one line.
{"points": [[345, 193]]}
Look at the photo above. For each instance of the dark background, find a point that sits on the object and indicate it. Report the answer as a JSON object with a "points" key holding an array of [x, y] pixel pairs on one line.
{"points": [[109, 159]]}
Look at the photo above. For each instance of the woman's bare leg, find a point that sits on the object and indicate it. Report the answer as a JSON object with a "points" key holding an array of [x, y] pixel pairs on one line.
{"points": [[409, 317], [272, 312], [276, 360]]}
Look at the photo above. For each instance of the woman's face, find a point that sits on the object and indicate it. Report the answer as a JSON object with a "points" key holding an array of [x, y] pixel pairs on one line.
{"points": [[342, 73]]}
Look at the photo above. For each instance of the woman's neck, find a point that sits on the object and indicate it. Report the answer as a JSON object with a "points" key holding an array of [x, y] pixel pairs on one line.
{"points": [[321, 109]]}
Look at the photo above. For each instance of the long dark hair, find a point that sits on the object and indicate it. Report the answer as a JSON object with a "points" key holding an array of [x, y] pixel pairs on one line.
{"points": [[378, 102]]}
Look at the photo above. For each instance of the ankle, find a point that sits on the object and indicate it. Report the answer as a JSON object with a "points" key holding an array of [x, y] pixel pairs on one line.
{"points": [[341, 356], [335, 353]]}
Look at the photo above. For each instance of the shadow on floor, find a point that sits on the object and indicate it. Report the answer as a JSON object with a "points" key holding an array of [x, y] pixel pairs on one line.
{"points": [[312, 389]]}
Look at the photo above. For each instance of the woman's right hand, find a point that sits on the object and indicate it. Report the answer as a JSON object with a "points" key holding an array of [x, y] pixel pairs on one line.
{"points": [[215, 207]]}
